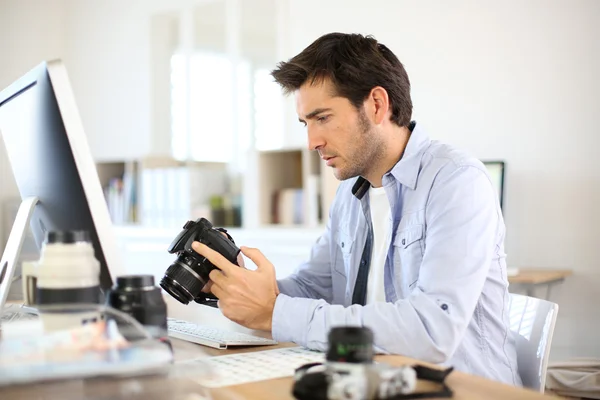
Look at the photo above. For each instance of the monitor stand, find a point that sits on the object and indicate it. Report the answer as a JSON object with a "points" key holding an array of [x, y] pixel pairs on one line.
{"points": [[13, 246]]}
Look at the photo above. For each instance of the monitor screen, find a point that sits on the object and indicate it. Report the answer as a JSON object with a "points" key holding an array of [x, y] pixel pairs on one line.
{"points": [[50, 159], [496, 169]]}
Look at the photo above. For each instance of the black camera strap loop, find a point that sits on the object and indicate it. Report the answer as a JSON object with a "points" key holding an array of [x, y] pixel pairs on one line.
{"points": [[432, 375], [314, 385]]}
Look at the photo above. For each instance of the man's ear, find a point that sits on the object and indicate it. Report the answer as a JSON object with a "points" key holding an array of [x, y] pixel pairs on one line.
{"points": [[379, 105]]}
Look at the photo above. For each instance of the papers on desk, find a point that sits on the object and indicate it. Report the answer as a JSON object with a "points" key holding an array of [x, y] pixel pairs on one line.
{"points": [[92, 350], [235, 369]]}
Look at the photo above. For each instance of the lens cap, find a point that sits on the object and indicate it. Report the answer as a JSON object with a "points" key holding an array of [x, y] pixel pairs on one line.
{"points": [[135, 281]]}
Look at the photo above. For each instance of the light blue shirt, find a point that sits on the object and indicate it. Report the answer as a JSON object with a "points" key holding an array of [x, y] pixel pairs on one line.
{"points": [[445, 279]]}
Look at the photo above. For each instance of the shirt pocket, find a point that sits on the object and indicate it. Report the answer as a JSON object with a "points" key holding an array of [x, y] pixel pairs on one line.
{"points": [[343, 261], [408, 256]]}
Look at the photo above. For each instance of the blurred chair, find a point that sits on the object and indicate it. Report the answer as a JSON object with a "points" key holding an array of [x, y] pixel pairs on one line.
{"points": [[532, 323]]}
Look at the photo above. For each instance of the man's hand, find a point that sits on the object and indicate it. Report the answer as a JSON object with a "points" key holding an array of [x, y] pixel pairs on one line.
{"points": [[208, 287], [246, 297]]}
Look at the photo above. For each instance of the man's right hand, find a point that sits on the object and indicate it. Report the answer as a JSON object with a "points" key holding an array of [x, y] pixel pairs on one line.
{"points": [[240, 261]]}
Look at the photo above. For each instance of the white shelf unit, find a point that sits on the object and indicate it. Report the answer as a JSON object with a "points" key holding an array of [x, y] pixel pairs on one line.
{"points": [[162, 192], [301, 171]]}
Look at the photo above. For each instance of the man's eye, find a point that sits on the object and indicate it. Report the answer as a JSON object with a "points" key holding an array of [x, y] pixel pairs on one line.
{"points": [[323, 118]]}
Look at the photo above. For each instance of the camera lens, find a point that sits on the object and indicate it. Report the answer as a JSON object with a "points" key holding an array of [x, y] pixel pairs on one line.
{"points": [[137, 296], [350, 345], [185, 278]]}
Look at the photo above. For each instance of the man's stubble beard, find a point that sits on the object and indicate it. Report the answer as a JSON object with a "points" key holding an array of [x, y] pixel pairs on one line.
{"points": [[367, 153]]}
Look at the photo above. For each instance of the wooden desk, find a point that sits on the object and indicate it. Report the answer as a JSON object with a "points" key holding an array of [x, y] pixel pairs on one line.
{"points": [[178, 386], [531, 278], [465, 387]]}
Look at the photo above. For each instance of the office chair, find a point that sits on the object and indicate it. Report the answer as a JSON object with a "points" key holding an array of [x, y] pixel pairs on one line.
{"points": [[532, 324]]}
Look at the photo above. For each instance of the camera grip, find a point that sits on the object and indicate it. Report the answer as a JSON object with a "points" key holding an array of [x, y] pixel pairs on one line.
{"points": [[221, 244]]}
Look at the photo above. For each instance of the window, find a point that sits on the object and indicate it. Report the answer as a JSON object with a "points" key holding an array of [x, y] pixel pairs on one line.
{"points": [[268, 111], [206, 107], [214, 112]]}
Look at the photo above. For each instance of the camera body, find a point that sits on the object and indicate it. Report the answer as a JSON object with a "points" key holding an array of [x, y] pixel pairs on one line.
{"points": [[187, 275], [349, 373], [346, 381]]}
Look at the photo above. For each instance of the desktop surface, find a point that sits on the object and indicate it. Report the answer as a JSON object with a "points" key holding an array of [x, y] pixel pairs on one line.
{"points": [[180, 385], [465, 386]]}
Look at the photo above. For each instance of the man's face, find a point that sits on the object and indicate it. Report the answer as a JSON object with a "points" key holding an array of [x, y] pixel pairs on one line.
{"points": [[344, 136]]}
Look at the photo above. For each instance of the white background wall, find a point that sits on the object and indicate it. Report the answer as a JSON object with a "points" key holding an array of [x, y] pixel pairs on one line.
{"points": [[29, 33], [513, 80]]}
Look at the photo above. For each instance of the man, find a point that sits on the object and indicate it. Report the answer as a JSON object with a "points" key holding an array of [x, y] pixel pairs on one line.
{"points": [[414, 244]]}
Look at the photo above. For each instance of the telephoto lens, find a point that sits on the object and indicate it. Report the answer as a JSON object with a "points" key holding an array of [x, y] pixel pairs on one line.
{"points": [[68, 276], [138, 296]]}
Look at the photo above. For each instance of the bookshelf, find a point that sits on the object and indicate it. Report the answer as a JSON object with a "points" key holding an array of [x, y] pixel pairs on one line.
{"points": [[118, 181], [281, 194], [164, 192], [295, 189]]}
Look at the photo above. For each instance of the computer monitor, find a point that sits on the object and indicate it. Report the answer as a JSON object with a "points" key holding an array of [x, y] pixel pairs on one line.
{"points": [[53, 168], [496, 170]]}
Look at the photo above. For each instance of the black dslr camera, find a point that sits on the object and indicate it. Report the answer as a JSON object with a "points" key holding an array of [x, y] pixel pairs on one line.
{"points": [[187, 275], [350, 373]]}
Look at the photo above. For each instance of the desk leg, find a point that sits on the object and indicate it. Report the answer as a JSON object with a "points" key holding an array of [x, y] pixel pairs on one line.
{"points": [[530, 290], [549, 289]]}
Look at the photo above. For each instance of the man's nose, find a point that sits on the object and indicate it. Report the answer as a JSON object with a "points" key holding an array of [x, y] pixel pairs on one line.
{"points": [[315, 140]]}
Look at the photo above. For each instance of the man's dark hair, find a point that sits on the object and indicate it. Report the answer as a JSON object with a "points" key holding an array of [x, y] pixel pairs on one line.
{"points": [[355, 64]]}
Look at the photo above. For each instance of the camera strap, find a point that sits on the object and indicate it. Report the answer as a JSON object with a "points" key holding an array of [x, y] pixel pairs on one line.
{"points": [[314, 385], [432, 375]]}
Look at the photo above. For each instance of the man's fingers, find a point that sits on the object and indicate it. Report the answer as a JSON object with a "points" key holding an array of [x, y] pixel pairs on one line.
{"points": [[217, 277], [256, 256], [240, 260], [217, 291], [207, 288], [214, 257]]}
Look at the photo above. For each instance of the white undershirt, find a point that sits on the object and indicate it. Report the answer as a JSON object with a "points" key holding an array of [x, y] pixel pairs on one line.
{"points": [[381, 214]]}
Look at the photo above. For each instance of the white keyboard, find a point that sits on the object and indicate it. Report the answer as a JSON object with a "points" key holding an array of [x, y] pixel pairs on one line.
{"points": [[17, 312], [212, 337]]}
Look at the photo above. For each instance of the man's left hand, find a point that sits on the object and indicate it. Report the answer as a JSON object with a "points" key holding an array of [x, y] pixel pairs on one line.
{"points": [[245, 296]]}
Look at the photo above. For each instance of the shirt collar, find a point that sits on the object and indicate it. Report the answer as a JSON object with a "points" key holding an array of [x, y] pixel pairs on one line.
{"points": [[406, 170]]}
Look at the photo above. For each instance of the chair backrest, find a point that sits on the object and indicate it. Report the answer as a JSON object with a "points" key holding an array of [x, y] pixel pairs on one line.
{"points": [[532, 323]]}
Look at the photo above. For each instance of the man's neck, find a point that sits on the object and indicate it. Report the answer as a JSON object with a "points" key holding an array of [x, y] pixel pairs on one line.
{"points": [[394, 149]]}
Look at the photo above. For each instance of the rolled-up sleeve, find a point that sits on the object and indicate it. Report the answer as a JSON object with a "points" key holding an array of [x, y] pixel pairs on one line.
{"points": [[462, 220]]}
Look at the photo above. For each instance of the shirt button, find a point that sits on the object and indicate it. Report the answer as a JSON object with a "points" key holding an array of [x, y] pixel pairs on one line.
{"points": [[444, 306], [342, 245], [363, 263], [403, 242]]}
